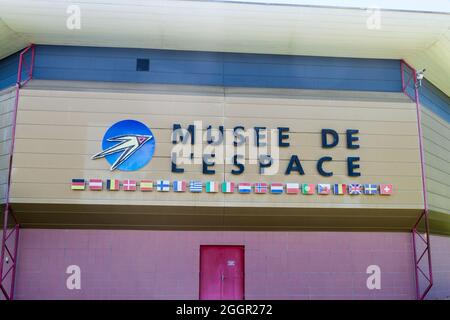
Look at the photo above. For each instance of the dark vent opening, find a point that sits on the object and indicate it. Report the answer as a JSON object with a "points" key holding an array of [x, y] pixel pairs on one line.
{"points": [[142, 64]]}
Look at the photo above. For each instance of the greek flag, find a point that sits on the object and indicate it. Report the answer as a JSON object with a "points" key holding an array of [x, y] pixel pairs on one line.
{"points": [[195, 186]]}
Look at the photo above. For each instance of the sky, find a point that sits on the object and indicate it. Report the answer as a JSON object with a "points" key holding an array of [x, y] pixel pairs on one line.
{"points": [[414, 5]]}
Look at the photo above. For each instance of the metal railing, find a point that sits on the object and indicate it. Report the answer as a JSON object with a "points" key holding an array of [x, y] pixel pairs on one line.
{"points": [[420, 230], [10, 235]]}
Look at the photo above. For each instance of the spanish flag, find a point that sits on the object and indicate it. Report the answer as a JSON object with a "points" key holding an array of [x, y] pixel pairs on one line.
{"points": [[146, 185], [112, 184], [78, 184]]}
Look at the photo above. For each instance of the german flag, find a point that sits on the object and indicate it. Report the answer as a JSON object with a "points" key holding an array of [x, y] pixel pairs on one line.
{"points": [[78, 184]]}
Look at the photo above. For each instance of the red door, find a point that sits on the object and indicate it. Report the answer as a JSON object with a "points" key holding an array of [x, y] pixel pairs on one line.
{"points": [[221, 272]]}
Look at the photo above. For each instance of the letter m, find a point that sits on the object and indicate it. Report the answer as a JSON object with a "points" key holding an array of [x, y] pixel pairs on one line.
{"points": [[182, 135]]}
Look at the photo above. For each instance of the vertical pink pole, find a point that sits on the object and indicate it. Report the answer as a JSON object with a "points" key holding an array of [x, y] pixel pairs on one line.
{"points": [[8, 186]]}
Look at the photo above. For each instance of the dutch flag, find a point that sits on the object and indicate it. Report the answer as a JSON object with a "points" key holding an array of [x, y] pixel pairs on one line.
{"points": [[245, 187], [276, 188]]}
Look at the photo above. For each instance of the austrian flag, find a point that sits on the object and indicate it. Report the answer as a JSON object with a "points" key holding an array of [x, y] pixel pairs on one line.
{"points": [[129, 185], [96, 184]]}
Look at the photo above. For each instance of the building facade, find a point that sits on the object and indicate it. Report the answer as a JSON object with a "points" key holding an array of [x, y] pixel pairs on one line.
{"points": [[327, 216]]}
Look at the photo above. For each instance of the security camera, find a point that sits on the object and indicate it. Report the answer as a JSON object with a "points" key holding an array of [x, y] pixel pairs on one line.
{"points": [[419, 77]]}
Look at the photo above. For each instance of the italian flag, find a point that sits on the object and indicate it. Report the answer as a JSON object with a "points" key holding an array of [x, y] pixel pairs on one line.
{"points": [[228, 187], [212, 187]]}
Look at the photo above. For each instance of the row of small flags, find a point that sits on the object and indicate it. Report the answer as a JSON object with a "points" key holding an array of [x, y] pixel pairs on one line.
{"points": [[230, 187]]}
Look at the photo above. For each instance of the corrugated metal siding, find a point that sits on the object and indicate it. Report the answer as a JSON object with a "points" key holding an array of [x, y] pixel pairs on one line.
{"points": [[435, 100], [7, 99], [436, 136], [217, 69], [8, 71]]}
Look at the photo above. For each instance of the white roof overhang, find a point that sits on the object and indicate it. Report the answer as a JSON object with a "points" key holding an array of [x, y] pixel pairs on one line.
{"points": [[422, 38]]}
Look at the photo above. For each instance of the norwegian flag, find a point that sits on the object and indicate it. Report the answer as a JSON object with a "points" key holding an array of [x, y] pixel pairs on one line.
{"points": [[354, 189], [129, 185], [323, 188], [244, 187], [260, 187], [385, 189], [292, 188]]}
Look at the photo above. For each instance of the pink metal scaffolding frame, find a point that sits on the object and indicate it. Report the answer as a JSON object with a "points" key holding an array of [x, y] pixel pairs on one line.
{"points": [[7, 249], [419, 252]]}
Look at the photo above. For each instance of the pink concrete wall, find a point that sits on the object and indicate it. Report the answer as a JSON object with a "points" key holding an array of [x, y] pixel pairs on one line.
{"points": [[440, 257], [120, 264]]}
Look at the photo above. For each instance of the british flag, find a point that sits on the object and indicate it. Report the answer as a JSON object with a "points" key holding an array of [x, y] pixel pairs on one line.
{"points": [[355, 189]]}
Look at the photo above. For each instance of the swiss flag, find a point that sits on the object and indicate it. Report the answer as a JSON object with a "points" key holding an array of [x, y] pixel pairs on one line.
{"points": [[386, 189]]}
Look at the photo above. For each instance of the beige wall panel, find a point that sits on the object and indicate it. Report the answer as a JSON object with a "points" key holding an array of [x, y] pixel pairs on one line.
{"points": [[59, 130], [257, 111], [301, 139], [259, 99], [163, 149], [314, 126]]}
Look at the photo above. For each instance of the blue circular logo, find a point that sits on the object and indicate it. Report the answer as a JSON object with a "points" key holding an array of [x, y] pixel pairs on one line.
{"points": [[128, 145]]}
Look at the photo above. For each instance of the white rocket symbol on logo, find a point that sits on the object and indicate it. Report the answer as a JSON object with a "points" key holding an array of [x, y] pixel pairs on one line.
{"points": [[129, 144]]}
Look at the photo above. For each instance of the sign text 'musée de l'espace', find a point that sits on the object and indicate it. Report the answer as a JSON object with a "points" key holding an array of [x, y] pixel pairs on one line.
{"points": [[257, 138]]}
